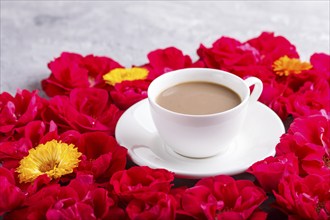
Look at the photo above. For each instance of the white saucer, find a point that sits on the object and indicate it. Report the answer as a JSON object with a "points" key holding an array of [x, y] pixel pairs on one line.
{"points": [[260, 134]]}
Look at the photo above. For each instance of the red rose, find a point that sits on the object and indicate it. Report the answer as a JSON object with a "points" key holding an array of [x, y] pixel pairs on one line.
{"points": [[81, 199], [296, 82], [310, 99], [11, 196], [39, 183], [152, 205], [271, 91], [321, 64], [79, 210], [35, 206], [30, 136], [98, 66], [304, 198], [136, 181], [97, 159], [275, 95], [270, 171], [272, 47], [16, 112], [35, 130], [102, 155], [72, 70], [196, 200], [34, 133], [84, 110], [127, 93], [105, 207], [11, 152], [280, 107], [222, 197], [319, 74], [309, 139], [164, 60], [233, 56]]}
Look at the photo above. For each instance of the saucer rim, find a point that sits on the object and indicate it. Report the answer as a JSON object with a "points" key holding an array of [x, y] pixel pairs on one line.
{"points": [[190, 174]]}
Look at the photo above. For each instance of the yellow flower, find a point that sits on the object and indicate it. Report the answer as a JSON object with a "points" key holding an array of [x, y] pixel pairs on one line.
{"points": [[121, 74], [52, 158], [286, 66]]}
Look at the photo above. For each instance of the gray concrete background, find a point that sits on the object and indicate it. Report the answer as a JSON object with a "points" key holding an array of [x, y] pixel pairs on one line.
{"points": [[34, 32]]}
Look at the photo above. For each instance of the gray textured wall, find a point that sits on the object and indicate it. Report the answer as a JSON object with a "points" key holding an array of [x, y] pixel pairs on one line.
{"points": [[34, 32]]}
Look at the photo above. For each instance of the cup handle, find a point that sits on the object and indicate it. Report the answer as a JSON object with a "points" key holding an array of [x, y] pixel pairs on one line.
{"points": [[257, 90]]}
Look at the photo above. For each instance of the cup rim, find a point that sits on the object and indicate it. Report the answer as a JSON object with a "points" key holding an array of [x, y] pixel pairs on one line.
{"points": [[236, 108]]}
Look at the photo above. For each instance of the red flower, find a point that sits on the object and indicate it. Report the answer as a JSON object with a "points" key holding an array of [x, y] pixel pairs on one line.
{"points": [[11, 152], [271, 170], [106, 207], [152, 205], [11, 196], [320, 73], [233, 56], [98, 66], [297, 81], [272, 47], [136, 181], [275, 95], [280, 107], [31, 135], [127, 93], [304, 198], [102, 155], [222, 197], [72, 70], [194, 202], [81, 199], [164, 60], [16, 112], [35, 206], [309, 139], [310, 99], [321, 64], [84, 110]]}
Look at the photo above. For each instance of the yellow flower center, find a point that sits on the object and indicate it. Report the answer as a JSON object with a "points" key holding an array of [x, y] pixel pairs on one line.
{"points": [[52, 158], [286, 66], [121, 74]]}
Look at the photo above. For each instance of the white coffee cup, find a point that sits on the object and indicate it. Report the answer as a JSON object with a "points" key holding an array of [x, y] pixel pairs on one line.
{"points": [[200, 136]]}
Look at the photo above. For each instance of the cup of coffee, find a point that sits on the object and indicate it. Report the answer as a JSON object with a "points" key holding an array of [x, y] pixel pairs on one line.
{"points": [[198, 112]]}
